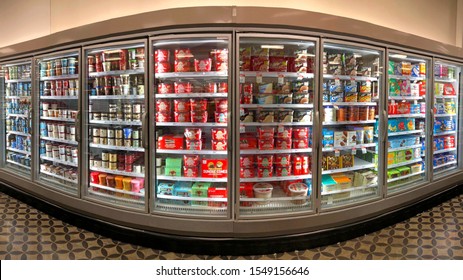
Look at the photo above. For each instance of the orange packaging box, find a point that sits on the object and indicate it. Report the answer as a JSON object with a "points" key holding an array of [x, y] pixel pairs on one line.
{"points": [[214, 168]]}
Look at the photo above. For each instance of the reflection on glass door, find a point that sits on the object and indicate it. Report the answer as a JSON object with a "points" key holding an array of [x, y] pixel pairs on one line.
{"points": [[58, 86], [16, 94], [407, 97], [192, 125], [276, 109], [116, 82], [350, 143], [446, 103]]}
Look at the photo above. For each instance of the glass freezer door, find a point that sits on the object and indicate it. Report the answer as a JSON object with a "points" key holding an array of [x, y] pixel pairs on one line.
{"points": [[447, 94], [192, 125], [16, 94], [276, 107], [58, 90], [115, 105], [350, 151], [407, 114]]}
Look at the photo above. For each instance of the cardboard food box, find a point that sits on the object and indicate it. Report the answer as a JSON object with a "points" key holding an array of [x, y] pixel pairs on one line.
{"points": [[364, 178], [248, 172], [265, 161], [416, 168], [165, 189], [173, 167], [340, 139], [170, 142], [214, 192], [343, 182], [247, 192], [200, 189], [182, 191], [393, 173], [328, 184], [404, 170], [328, 138], [190, 171], [247, 161], [346, 161], [214, 168], [248, 141]]}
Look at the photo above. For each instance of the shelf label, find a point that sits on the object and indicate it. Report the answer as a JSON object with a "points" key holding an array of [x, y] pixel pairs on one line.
{"points": [[242, 78], [337, 153], [364, 150], [354, 151], [259, 77], [300, 76], [281, 129], [281, 79], [242, 129]]}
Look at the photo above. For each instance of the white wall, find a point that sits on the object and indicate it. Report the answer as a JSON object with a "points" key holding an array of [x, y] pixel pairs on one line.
{"points": [[433, 19]]}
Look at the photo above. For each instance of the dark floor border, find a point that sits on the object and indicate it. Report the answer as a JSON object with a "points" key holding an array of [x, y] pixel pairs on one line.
{"points": [[232, 246]]}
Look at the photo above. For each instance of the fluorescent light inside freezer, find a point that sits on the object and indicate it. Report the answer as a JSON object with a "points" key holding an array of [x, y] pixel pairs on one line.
{"points": [[300, 44], [57, 57], [115, 48], [275, 47], [180, 42], [357, 51], [400, 56]]}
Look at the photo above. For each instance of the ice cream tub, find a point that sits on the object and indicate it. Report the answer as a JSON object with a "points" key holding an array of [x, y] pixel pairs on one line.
{"points": [[298, 190], [263, 190]]}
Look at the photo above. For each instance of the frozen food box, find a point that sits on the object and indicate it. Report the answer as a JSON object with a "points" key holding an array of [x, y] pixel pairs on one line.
{"points": [[283, 160], [193, 144], [219, 134], [170, 142], [264, 161], [165, 188], [303, 116], [266, 132], [173, 167], [284, 132], [266, 88], [285, 116], [416, 168], [214, 192], [200, 189], [247, 116], [182, 116], [247, 161], [369, 134], [343, 182], [300, 143], [265, 98], [346, 161], [393, 173], [247, 172], [328, 138], [247, 192], [219, 145], [301, 98], [266, 144], [351, 97], [336, 96], [404, 170], [190, 160], [248, 141], [214, 168], [328, 184], [193, 133], [183, 190], [181, 105], [332, 162], [283, 170], [351, 138], [265, 116], [301, 133], [265, 172], [283, 143], [190, 171], [340, 139]]}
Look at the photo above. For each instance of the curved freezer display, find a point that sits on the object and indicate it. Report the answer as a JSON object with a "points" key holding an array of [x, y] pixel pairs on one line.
{"points": [[231, 127]]}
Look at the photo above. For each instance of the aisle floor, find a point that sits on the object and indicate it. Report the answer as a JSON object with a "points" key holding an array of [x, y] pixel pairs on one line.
{"points": [[26, 233]]}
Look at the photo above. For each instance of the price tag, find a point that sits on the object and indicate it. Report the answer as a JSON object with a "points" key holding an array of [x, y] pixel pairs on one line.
{"points": [[242, 78], [259, 77], [330, 199], [281, 129], [337, 153], [281, 79], [354, 151], [337, 81], [364, 150], [300, 76], [242, 129]]}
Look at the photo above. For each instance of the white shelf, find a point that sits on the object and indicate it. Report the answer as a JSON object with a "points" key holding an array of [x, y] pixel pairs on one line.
{"points": [[447, 96], [406, 116], [404, 148], [275, 178], [190, 179], [191, 95], [404, 177], [191, 124], [58, 161], [60, 97], [18, 151], [189, 198], [18, 97], [116, 190], [445, 164], [28, 80], [18, 133], [405, 97], [348, 122], [359, 146], [193, 75], [138, 123], [276, 106], [17, 115], [276, 124], [445, 115], [109, 97], [400, 77], [403, 132], [350, 189], [445, 133], [350, 103], [358, 165], [444, 80], [416, 160], [345, 77], [284, 151], [58, 177], [58, 119], [71, 142], [117, 72], [116, 199], [276, 74], [191, 152], [61, 77], [444, 151], [121, 148], [118, 172], [18, 164]]}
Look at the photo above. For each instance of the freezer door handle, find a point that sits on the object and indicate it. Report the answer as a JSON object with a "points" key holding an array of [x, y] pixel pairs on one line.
{"points": [[144, 128], [77, 124]]}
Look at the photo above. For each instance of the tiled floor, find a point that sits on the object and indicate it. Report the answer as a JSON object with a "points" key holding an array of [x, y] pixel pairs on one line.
{"points": [[26, 233]]}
